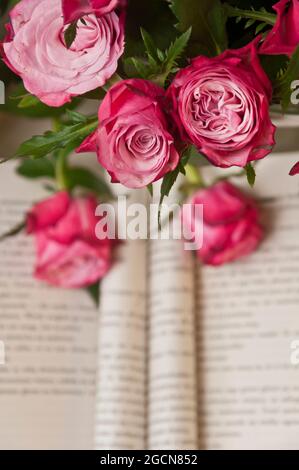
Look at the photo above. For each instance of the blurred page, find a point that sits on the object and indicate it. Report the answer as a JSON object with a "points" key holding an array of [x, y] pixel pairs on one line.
{"points": [[172, 400], [247, 318], [121, 371], [47, 385]]}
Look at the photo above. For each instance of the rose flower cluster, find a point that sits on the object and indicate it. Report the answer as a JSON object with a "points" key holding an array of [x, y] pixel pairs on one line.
{"points": [[217, 103]]}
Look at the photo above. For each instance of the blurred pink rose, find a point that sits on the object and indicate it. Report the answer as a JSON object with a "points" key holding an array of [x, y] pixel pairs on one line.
{"points": [[34, 48], [295, 169], [284, 36], [230, 224], [133, 142], [74, 9], [221, 105], [68, 253]]}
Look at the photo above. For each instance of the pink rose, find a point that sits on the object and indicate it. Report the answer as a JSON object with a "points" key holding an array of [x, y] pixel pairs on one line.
{"points": [[284, 36], [68, 253], [230, 223], [133, 142], [221, 105], [35, 49], [295, 169], [75, 9]]}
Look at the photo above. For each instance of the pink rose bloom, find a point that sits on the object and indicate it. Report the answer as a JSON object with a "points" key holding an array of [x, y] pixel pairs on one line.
{"points": [[295, 169], [221, 105], [230, 224], [68, 253], [35, 49], [75, 9], [133, 142], [284, 36]]}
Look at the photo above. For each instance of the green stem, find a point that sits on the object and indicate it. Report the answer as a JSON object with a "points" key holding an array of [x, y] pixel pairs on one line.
{"points": [[194, 176], [265, 17], [61, 169]]}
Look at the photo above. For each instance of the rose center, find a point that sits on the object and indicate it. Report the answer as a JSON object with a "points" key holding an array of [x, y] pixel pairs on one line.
{"points": [[216, 107]]}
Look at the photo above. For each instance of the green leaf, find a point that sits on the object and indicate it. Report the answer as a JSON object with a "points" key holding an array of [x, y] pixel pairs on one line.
{"points": [[70, 34], [176, 50], [36, 168], [150, 189], [13, 232], [250, 173], [283, 88], [75, 117], [94, 292], [150, 46], [84, 178], [42, 145], [28, 101], [256, 15], [23, 103], [207, 19]]}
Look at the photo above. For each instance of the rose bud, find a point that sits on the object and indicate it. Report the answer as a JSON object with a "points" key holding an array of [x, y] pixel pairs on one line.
{"points": [[68, 253], [231, 228]]}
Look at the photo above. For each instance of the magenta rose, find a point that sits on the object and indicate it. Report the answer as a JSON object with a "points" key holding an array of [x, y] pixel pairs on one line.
{"points": [[68, 253], [231, 227], [221, 105], [295, 169], [75, 9], [35, 49], [133, 142], [284, 36]]}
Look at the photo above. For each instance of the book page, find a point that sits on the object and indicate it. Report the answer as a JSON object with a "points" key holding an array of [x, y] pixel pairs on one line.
{"points": [[47, 384], [248, 317], [122, 350], [172, 400]]}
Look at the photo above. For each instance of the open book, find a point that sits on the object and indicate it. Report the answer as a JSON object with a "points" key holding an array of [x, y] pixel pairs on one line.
{"points": [[179, 356]]}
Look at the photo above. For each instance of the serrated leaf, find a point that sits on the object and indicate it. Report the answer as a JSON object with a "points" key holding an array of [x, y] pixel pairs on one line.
{"points": [[70, 34], [42, 168], [176, 50], [250, 173], [42, 145], [150, 46]]}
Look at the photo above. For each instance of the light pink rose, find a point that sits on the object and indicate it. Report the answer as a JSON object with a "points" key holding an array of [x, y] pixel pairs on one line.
{"points": [[295, 169], [68, 253], [75, 9], [284, 36], [133, 142], [230, 223], [35, 49], [221, 105]]}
